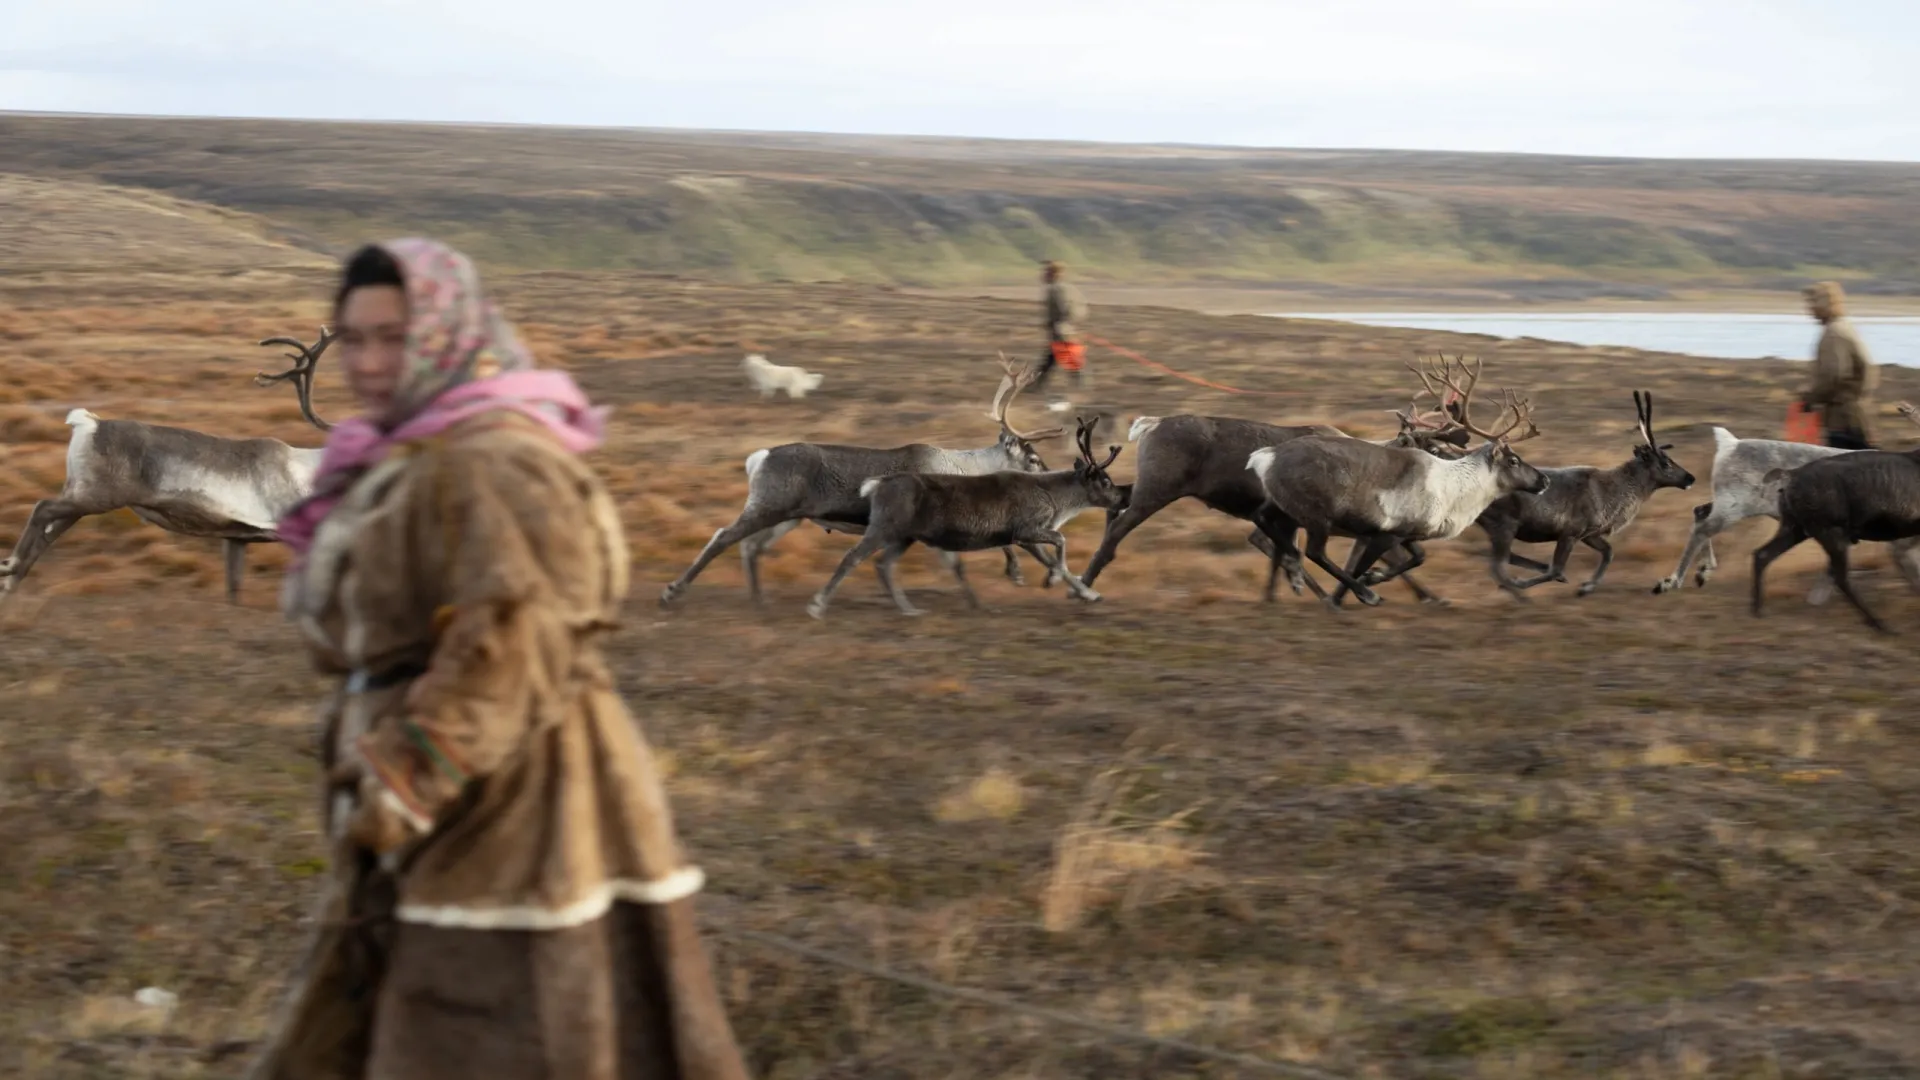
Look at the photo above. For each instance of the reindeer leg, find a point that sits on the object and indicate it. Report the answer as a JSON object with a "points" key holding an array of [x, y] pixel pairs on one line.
{"points": [[1376, 548], [1501, 540], [236, 553], [1562, 551], [1599, 544], [868, 544], [1317, 551], [884, 566], [1117, 529], [749, 522], [1903, 560], [1076, 589], [49, 519], [1786, 539], [1837, 545], [757, 544], [953, 563], [1705, 525], [1012, 569]]}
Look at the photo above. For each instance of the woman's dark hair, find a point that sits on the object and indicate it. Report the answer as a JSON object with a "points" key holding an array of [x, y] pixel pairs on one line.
{"points": [[371, 265]]}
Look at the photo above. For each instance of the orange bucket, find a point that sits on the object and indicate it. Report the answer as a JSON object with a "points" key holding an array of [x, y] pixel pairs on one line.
{"points": [[1803, 424]]}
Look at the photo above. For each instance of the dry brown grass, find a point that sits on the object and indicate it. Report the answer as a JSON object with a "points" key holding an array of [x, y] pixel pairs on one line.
{"points": [[1621, 836]]}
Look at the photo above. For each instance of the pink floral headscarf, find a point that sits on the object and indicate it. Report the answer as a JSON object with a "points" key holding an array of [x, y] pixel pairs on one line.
{"points": [[462, 359]]}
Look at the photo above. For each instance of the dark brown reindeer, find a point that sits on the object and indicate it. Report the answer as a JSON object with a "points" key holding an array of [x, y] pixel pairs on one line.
{"points": [[955, 513], [1839, 501], [187, 482]]}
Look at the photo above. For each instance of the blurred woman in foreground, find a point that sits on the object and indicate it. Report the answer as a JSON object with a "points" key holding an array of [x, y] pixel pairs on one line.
{"points": [[507, 897]]}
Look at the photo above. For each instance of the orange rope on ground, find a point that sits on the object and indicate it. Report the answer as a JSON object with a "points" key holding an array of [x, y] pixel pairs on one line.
{"points": [[1157, 366]]}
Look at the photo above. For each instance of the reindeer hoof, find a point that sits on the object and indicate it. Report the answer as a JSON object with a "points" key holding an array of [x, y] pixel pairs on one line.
{"points": [[1373, 577], [668, 595], [1437, 601], [1087, 595], [1586, 590], [1663, 585], [912, 612], [1700, 579], [1367, 597], [818, 609]]}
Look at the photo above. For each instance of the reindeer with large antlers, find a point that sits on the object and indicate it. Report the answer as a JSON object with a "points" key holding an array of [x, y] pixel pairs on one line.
{"points": [[187, 482], [820, 482], [953, 514], [1388, 496]]}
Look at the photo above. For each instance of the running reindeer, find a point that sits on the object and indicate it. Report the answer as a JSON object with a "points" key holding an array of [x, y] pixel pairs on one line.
{"points": [[1205, 458], [957, 513], [1839, 501], [1383, 496], [1582, 504], [820, 482], [1739, 492], [187, 482]]}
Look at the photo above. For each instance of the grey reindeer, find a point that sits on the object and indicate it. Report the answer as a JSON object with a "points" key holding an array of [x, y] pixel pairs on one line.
{"points": [[1384, 496], [1837, 502], [959, 513], [1739, 492], [820, 482], [1581, 505], [1188, 456], [187, 482]]}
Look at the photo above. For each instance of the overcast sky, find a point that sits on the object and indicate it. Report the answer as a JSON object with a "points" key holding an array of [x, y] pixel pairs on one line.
{"points": [[1710, 78]]}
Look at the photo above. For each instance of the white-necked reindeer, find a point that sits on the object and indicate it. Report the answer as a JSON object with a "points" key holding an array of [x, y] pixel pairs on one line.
{"points": [[187, 482], [1385, 496]]}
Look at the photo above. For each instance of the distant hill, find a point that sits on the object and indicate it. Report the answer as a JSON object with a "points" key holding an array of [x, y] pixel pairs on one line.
{"points": [[939, 212]]}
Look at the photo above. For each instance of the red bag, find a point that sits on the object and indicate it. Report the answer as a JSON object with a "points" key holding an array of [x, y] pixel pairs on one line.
{"points": [[1070, 355], [1803, 424]]}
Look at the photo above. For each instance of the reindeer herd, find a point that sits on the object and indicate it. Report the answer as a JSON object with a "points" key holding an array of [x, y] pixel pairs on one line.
{"points": [[1390, 498]]}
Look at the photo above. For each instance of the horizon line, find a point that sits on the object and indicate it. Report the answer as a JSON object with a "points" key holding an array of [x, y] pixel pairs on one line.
{"points": [[1011, 141]]}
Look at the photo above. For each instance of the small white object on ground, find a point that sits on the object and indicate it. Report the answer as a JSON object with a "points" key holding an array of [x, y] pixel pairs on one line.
{"points": [[155, 998]]}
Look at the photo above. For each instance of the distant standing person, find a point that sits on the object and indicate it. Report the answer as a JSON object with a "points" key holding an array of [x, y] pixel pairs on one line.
{"points": [[1065, 309], [1844, 377]]}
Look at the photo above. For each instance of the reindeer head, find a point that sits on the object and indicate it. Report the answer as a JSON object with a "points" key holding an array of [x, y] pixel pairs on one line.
{"points": [[1017, 444], [1652, 455], [1102, 492], [305, 359]]}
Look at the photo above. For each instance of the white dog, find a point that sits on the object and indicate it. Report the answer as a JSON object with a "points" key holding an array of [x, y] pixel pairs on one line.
{"points": [[767, 378]]}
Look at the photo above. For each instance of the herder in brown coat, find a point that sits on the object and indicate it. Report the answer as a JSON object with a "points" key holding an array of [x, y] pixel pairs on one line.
{"points": [[1844, 377], [1065, 309], [506, 898]]}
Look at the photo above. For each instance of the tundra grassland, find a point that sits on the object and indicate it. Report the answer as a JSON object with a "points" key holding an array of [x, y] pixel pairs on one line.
{"points": [[1620, 836]]}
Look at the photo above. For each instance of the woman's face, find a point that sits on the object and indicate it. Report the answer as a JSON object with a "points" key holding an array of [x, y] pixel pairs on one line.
{"points": [[373, 344]]}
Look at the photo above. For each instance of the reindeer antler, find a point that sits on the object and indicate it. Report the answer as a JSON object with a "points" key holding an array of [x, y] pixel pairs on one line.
{"points": [[1016, 379], [1083, 438], [1907, 410], [1457, 402], [305, 360]]}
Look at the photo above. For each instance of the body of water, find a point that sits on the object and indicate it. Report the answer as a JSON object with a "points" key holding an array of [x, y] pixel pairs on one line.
{"points": [[1890, 340]]}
